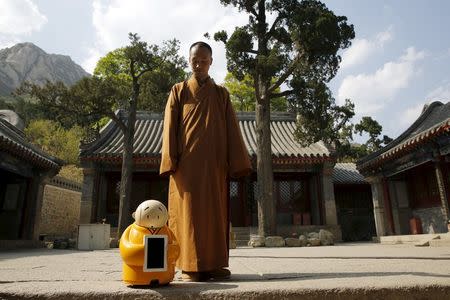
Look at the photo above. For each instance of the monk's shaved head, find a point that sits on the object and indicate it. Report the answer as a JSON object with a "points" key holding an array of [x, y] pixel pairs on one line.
{"points": [[200, 44]]}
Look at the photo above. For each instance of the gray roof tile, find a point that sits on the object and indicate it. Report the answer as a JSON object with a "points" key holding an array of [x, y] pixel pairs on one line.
{"points": [[346, 173], [148, 138], [13, 140], [433, 121]]}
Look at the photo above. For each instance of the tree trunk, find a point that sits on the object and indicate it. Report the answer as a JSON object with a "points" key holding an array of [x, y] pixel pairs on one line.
{"points": [[126, 179], [266, 203], [265, 200]]}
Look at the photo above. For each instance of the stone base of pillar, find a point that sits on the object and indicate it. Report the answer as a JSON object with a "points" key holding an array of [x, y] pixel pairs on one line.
{"points": [[85, 212]]}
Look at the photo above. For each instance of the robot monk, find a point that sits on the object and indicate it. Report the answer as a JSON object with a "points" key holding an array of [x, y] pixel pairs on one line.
{"points": [[148, 247]]}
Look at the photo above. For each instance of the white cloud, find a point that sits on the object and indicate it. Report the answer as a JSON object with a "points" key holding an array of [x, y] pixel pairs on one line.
{"points": [[362, 49], [411, 114], [19, 17], [6, 42], [371, 92], [441, 93], [156, 21]]}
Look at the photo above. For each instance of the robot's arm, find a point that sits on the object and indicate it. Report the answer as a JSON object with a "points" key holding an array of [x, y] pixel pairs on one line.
{"points": [[173, 248], [132, 254]]}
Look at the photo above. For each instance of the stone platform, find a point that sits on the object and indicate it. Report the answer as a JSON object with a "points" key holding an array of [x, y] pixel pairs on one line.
{"points": [[342, 271]]}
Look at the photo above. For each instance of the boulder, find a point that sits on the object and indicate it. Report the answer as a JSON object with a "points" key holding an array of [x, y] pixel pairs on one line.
{"points": [[314, 242], [60, 244], [292, 242], [232, 244], [303, 240], [256, 241], [72, 243], [313, 235], [326, 237], [113, 243], [275, 241]]}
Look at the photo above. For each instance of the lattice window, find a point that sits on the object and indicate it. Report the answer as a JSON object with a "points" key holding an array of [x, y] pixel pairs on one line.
{"points": [[255, 188], [296, 189], [423, 188], [234, 189], [289, 194], [285, 195], [117, 188]]}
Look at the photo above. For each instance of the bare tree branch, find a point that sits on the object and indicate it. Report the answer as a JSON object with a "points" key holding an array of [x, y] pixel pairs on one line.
{"points": [[272, 28], [253, 12], [282, 94], [118, 121], [286, 74]]}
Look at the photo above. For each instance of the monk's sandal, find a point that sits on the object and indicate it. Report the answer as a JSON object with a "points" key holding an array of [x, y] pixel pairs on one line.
{"points": [[220, 274]]}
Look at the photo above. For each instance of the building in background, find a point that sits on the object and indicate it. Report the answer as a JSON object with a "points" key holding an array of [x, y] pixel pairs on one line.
{"points": [[303, 176], [353, 203], [410, 177], [24, 171]]}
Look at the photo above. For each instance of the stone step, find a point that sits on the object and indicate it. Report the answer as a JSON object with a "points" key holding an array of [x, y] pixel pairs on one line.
{"points": [[407, 239], [240, 230], [440, 243], [242, 234], [241, 243], [445, 236], [113, 232]]}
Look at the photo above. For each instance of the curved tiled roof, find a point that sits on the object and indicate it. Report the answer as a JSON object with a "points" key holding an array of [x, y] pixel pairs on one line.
{"points": [[13, 141], [346, 173], [148, 138], [433, 122]]}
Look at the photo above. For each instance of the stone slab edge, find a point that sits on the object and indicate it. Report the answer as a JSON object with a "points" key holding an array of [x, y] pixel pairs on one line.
{"points": [[385, 293]]}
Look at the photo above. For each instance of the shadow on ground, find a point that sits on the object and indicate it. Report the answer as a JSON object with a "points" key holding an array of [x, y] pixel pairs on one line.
{"points": [[341, 275]]}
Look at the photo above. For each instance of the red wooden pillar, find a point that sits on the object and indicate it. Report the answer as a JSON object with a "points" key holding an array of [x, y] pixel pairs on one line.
{"points": [[442, 190], [319, 186], [388, 207]]}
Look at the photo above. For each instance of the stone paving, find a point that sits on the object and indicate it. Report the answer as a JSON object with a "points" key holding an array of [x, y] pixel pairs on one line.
{"points": [[342, 271]]}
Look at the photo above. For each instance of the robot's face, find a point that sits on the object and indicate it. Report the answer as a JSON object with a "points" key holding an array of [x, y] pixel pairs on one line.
{"points": [[151, 214]]}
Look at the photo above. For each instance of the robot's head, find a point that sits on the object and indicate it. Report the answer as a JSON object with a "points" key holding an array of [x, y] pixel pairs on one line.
{"points": [[151, 214]]}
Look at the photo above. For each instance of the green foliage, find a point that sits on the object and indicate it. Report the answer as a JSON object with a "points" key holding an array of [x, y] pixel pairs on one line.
{"points": [[6, 102], [54, 139], [219, 36], [320, 118], [138, 74], [300, 50], [164, 67], [72, 172], [83, 104], [94, 98], [351, 152], [305, 36], [25, 107], [373, 129], [242, 94]]}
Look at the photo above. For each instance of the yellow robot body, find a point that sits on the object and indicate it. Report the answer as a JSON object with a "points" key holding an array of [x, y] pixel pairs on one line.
{"points": [[132, 247]]}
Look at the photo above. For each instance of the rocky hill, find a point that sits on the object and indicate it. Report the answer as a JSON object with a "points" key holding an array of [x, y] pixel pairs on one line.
{"points": [[28, 62]]}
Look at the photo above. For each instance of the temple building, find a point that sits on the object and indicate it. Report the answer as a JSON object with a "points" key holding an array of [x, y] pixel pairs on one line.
{"points": [[410, 177], [24, 171], [303, 176], [353, 203]]}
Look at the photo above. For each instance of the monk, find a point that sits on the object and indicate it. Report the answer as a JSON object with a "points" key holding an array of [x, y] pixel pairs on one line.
{"points": [[202, 146]]}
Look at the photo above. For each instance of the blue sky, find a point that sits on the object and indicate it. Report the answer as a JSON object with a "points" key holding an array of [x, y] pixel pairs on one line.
{"points": [[398, 62]]}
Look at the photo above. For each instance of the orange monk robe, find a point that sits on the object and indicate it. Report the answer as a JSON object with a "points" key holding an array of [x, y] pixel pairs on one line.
{"points": [[202, 145]]}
